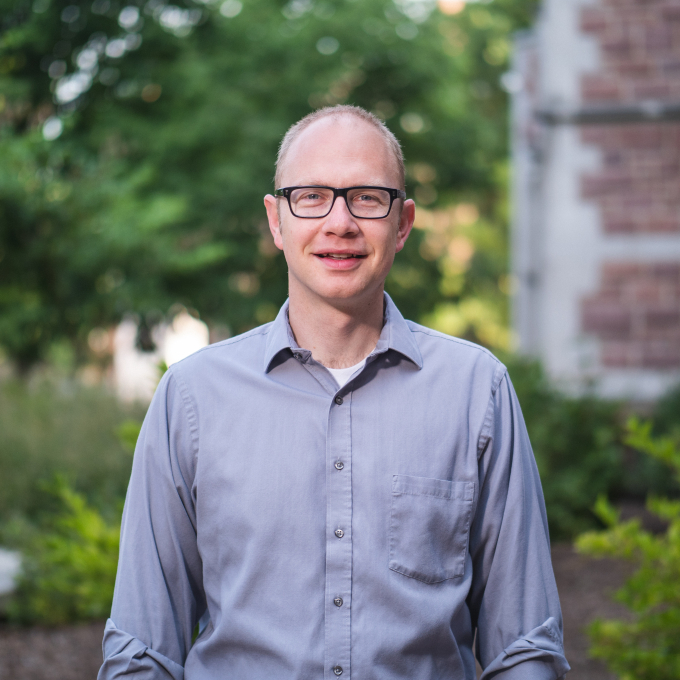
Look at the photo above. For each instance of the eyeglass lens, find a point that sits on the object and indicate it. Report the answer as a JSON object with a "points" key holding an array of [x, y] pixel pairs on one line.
{"points": [[315, 202]]}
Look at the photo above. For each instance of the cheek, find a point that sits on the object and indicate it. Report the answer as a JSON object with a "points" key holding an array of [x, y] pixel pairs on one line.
{"points": [[296, 240], [387, 241]]}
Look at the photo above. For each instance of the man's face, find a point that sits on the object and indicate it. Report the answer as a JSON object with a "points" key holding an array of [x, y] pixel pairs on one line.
{"points": [[339, 152]]}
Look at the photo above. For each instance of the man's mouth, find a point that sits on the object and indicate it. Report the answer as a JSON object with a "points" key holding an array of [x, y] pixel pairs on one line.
{"points": [[340, 256]]}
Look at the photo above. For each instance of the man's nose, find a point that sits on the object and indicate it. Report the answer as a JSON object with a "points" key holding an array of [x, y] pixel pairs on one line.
{"points": [[340, 219]]}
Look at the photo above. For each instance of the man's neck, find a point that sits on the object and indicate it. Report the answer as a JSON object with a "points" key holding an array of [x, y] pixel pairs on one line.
{"points": [[338, 336]]}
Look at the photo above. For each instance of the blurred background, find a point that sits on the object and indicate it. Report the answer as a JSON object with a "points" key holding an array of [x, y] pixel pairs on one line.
{"points": [[542, 144]]}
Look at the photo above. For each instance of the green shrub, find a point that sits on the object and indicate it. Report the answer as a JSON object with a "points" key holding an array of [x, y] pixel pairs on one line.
{"points": [[68, 566], [647, 645], [49, 428], [579, 450], [67, 530]]}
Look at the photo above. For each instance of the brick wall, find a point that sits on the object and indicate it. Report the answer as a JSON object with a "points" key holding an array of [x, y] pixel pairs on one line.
{"points": [[636, 312], [639, 41], [638, 185], [636, 315]]}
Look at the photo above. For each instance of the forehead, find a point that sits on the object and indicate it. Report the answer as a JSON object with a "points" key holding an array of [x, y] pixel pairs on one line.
{"points": [[340, 151]]}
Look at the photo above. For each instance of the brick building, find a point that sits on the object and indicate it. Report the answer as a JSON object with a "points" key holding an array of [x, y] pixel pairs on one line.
{"points": [[596, 158]]}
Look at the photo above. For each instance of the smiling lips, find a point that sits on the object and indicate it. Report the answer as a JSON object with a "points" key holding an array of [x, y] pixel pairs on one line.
{"points": [[341, 255], [340, 260]]}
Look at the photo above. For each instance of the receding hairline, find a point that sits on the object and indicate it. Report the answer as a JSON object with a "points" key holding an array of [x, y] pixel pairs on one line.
{"points": [[338, 112]]}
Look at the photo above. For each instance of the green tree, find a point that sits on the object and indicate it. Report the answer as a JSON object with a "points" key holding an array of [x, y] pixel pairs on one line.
{"points": [[138, 140], [647, 645]]}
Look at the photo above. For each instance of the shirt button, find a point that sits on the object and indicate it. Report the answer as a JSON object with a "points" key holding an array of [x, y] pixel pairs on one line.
{"points": [[298, 356], [337, 602], [337, 670], [338, 401], [339, 533], [339, 465]]}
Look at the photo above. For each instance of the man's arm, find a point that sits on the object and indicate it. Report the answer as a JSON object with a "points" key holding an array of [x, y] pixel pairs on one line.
{"points": [[513, 598], [159, 589]]}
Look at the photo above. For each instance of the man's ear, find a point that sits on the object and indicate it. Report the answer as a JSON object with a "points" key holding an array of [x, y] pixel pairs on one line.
{"points": [[271, 207], [406, 219]]}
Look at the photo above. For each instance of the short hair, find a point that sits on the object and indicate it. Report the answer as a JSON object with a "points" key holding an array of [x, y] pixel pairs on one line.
{"points": [[295, 130]]}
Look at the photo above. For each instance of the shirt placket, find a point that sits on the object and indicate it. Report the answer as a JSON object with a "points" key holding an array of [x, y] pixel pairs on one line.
{"points": [[338, 609]]}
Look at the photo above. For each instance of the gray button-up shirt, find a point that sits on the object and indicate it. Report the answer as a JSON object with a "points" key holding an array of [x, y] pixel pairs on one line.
{"points": [[365, 532]]}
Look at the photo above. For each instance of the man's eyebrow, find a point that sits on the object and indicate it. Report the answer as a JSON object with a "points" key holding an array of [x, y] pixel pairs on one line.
{"points": [[321, 183]]}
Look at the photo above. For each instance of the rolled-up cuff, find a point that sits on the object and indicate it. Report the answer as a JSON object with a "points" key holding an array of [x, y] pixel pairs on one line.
{"points": [[125, 654], [538, 655]]}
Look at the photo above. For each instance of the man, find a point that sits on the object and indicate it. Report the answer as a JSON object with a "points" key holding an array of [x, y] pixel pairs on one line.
{"points": [[339, 492]]}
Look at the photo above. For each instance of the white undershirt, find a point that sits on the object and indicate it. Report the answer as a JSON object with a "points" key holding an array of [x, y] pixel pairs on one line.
{"points": [[342, 375]]}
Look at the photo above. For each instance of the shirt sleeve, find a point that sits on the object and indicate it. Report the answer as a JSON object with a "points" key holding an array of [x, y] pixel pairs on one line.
{"points": [[513, 598], [159, 595]]}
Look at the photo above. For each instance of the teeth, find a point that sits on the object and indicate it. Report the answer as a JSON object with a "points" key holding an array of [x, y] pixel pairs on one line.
{"points": [[340, 257]]}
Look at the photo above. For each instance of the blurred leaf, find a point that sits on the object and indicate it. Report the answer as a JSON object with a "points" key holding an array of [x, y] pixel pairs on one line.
{"points": [[606, 512]]}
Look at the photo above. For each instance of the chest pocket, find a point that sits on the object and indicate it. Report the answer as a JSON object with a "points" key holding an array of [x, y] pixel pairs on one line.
{"points": [[429, 527]]}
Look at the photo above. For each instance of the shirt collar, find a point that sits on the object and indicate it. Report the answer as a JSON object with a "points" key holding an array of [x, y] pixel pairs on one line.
{"points": [[395, 335]]}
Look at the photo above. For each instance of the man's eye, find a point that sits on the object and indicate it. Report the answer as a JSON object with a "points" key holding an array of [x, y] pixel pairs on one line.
{"points": [[311, 197], [366, 198]]}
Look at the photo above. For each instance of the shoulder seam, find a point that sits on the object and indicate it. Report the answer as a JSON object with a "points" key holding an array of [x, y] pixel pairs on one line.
{"points": [[262, 330], [500, 373], [417, 328], [188, 406], [487, 425]]}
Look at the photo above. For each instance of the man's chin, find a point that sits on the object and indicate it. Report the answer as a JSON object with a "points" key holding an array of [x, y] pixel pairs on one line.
{"points": [[347, 295], [337, 290]]}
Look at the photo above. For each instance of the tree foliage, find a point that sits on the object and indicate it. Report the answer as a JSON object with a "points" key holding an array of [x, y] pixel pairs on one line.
{"points": [[648, 644], [138, 139]]}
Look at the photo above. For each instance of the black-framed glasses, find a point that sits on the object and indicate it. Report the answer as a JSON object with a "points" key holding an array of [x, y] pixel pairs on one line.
{"points": [[368, 203]]}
